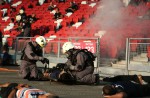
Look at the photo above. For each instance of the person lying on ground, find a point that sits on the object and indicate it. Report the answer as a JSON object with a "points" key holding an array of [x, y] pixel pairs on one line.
{"points": [[16, 90], [126, 86], [136, 78], [125, 89], [62, 75]]}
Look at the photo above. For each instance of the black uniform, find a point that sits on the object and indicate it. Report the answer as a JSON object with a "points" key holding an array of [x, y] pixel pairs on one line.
{"points": [[132, 89]]}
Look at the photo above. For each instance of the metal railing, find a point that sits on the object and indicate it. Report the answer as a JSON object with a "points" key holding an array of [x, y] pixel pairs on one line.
{"points": [[137, 54], [53, 47]]}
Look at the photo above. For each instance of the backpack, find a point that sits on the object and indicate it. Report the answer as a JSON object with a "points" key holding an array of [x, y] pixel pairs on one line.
{"points": [[91, 56]]}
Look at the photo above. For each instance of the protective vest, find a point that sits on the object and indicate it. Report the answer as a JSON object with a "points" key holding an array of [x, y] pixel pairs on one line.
{"points": [[90, 55], [35, 51]]}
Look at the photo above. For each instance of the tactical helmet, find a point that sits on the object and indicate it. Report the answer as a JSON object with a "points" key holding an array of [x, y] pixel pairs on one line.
{"points": [[41, 41], [67, 46]]}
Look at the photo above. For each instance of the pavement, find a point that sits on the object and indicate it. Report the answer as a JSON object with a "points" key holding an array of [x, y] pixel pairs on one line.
{"points": [[10, 74]]}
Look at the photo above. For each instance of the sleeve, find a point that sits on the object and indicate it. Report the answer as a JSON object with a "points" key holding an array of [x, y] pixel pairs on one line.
{"points": [[30, 54]]}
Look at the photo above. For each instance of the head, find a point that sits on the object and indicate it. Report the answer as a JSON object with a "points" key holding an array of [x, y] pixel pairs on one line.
{"points": [[21, 11], [57, 9], [12, 20], [109, 90], [33, 15], [41, 41], [67, 46], [66, 78]]}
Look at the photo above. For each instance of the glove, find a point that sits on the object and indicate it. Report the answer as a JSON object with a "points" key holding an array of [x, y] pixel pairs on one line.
{"points": [[71, 67], [45, 60]]}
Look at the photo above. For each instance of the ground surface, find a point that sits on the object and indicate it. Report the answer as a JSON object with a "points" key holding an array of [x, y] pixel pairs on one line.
{"points": [[10, 74], [64, 91]]}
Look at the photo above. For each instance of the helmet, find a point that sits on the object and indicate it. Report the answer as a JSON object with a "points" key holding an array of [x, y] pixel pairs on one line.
{"points": [[41, 41], [67, 46]]}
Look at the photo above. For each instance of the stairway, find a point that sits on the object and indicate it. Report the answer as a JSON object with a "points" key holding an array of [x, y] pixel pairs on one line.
{"points": [[138, 65]]}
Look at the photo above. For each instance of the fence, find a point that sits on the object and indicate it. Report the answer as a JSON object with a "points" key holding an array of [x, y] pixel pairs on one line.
{"points": [[53, 48], [138, 55]]}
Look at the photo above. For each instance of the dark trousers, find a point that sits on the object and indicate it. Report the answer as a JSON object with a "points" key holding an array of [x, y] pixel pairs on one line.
{"points": [[126, 78], [85, 76]]}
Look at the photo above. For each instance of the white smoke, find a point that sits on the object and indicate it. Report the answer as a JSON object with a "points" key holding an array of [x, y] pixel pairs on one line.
{"points": [[109, 14]]}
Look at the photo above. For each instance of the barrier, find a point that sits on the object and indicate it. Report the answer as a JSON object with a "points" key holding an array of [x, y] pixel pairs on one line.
{"points": [[53, 48], [138, 58]]}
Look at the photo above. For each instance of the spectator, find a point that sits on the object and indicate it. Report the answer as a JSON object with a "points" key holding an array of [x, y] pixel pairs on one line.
{"points": [[51, 7], [80, 63], [15, 90], [32, 18], [26, 28], [73, 7], [32, 53], [23, 15], [30, 6], [12, 11], [58, 14]]}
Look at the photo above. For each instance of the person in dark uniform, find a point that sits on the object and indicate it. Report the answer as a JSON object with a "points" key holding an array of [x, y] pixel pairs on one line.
{"points": [[79, 64], [30, 55], [126, 89], [58, 14]]}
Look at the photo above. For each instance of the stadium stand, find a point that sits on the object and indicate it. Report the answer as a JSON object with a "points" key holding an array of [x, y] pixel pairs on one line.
{"points": [[76, 24]]}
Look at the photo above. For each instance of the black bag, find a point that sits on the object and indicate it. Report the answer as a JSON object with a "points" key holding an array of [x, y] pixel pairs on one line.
{"points": [[91, 56]]}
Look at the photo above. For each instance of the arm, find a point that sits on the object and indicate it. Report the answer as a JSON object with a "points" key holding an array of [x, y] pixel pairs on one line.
{"points": [[12, 93], [30, 54], [4, 85], [81, 58], [118, 95]]}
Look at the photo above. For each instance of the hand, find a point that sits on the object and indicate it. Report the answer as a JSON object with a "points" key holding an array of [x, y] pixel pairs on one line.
{"points": [[45, 60], [71, 67]]}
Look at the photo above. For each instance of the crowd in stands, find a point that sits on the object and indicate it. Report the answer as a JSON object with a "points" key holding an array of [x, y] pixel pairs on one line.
{"points": [[68, 18]]}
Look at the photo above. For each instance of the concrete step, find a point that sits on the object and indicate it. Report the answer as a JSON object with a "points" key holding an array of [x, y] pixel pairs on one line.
{"points": [[140, 59], [139, 63], [119, 66], [143, 55]]}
